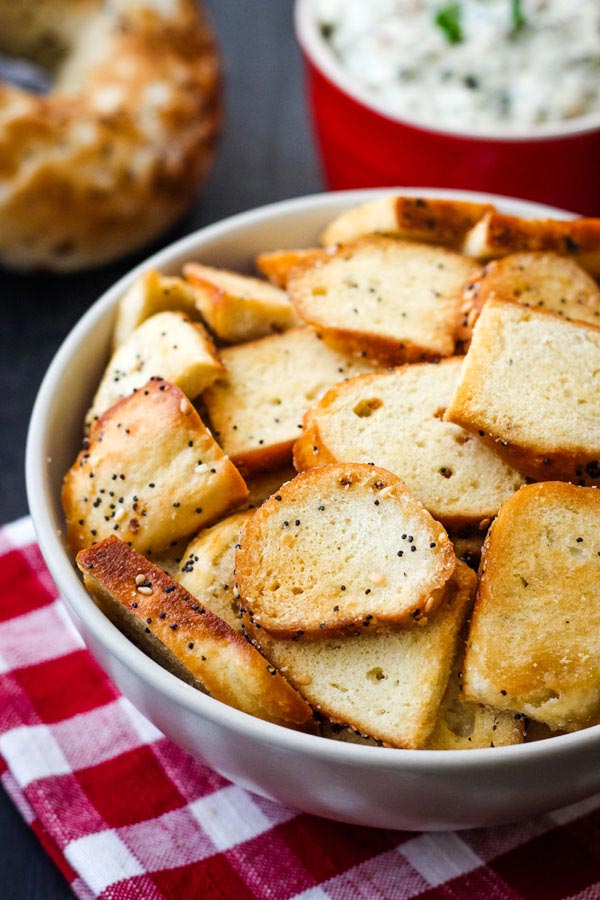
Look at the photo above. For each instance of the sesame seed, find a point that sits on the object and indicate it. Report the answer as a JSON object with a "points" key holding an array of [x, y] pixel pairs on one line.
{"points": [[144, 589], [139, 579], [185, 406], [174, 626]]}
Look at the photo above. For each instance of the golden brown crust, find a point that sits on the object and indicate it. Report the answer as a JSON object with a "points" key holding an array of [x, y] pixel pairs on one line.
{"points": [[499, 234], [115, 153], [422, 219], [150, 471], [276, 265], [309, 450], [533, 644], [434, 221], [147, 602], [379, 350], [290, 581]]}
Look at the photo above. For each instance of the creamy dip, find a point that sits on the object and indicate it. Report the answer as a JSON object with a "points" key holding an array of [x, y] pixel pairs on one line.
{"points": [[484, 65]]}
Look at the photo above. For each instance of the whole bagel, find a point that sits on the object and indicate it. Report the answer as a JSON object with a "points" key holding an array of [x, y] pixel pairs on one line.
{"points": [[116, 151]]}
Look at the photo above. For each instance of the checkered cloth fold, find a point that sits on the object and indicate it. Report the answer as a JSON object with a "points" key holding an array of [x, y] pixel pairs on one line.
{"points": [[127, 814]]}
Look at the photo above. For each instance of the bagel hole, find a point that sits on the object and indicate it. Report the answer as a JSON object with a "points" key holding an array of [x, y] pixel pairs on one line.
{"points": [[25, 74]]}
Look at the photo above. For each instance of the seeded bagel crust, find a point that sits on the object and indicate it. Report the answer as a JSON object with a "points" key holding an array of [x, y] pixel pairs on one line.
{"points": [[339, 549], [185, 637], [151, 472], [207, 568]]}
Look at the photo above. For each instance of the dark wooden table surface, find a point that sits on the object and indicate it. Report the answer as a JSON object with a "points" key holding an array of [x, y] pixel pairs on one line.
{"points": [[266, 154]]}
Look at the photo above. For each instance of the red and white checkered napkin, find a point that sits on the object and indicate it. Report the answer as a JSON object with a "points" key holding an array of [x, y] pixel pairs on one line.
{"points": [[126, 814]]}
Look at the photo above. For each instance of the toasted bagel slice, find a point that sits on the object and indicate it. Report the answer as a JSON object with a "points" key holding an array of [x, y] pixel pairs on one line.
{"points": [[498, 234], [151, 293], [207, 568], [167, 344], [186, 638], [388, 686], [419, 219], [530, 386], [541, 280], [238, 307], [151, 473], [534, 640], [465, 725], [339, 549], [387, 300], [256, 409], [395, 419]]}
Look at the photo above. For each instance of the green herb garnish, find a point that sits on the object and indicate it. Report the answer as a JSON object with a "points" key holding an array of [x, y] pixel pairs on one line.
{"points": [[518, 16], [448, 19]]}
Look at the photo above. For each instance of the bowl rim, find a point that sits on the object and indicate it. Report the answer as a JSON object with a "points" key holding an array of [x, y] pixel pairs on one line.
{"points": [[320, 54], [135, 660]]}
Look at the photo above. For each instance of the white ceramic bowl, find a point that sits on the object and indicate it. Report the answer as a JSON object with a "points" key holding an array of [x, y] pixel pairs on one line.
{"points": [[409, 789]]}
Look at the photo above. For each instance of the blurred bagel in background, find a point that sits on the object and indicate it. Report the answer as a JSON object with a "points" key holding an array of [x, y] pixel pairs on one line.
{"points": [[118, 148]]}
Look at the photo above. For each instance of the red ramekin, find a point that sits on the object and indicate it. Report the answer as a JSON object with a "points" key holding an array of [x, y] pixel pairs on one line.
{"points": [[363, 145]]}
